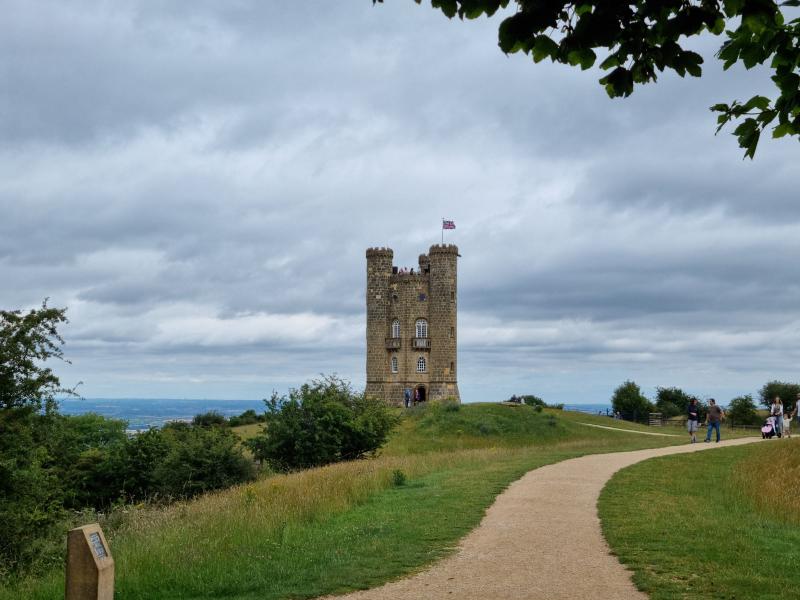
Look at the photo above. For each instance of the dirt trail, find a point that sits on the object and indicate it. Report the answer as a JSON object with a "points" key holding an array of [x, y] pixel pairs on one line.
{"points": [[540, 539]]}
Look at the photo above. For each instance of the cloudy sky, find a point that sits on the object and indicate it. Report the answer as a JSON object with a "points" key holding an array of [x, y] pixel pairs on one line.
{"points": [[198, 182]]}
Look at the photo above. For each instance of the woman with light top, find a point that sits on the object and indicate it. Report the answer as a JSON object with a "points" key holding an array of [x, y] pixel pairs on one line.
{"points": [[776, 411]]}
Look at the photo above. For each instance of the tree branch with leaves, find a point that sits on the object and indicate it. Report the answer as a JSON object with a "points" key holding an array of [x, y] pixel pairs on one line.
{"points": [[635, 40]]}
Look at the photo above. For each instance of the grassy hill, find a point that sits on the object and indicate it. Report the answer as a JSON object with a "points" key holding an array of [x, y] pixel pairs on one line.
{"points": [[344, 526]]}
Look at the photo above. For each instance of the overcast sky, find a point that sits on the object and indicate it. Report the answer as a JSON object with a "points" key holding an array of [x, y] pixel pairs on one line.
{"points": [[198, 182]]}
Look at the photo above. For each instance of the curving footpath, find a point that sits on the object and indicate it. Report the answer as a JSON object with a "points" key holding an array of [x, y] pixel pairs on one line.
{"points": [[540, 539]]}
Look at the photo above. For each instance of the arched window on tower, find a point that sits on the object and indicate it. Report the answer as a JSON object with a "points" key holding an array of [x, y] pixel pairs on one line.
{"points": [[421, 364], [396, 328], [394, 364], [422, 328]]}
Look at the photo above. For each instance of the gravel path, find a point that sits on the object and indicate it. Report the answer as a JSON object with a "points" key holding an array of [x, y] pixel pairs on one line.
{"points": [[540, 539]]}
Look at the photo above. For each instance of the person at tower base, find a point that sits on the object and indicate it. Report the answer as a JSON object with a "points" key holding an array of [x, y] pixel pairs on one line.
{"points": [[693, 419], [715, 416]]}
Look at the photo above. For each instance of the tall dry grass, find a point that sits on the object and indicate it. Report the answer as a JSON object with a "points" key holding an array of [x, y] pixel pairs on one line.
{"points": [[770, 479], [268, 507]]}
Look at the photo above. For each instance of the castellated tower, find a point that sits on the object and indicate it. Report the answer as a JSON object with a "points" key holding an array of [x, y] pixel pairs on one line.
{"points": [[412, 326]]}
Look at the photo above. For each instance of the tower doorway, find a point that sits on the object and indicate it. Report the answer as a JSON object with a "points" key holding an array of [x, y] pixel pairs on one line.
{"points": [[420, 395]]}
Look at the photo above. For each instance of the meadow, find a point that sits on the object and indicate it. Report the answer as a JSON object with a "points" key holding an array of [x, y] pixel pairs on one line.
{"points": [[721, 524], [349, 525]]}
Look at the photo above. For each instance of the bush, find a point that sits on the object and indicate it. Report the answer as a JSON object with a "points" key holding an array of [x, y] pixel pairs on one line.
{"points": [[30, 492], [787, 392], [398, 478], [322, 422], [199, 459], [248, 417], [532, 400], [742, 411], [210, 419], [629, 401]]}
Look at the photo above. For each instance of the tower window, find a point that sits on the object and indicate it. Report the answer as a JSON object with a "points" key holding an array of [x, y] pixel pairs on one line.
{"points": [[394, 364], [452, 295], [452, 332], [396, 328], [421, 364], [422, 328]]}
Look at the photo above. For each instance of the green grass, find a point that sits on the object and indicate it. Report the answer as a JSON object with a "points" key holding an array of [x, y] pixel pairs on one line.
{"points": [[245, 432], [696, 525], [344, 526]]}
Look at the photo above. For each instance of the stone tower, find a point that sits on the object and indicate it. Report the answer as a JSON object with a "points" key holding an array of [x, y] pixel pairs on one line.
{"points": [[412, 326]]}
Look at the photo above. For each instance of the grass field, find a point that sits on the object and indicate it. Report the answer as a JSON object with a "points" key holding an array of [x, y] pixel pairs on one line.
{"points": [[721, 524], [245, 432], [348, 525]]}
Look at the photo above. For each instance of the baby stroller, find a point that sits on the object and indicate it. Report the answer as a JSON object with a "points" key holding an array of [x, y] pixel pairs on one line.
{"points": [[768, 430]]}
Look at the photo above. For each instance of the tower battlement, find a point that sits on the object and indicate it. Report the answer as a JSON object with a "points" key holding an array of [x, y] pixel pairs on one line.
{"points": [[412, 326], [444, 249], [374, 252]]}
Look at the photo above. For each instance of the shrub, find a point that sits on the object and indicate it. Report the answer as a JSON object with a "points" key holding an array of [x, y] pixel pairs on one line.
{"points": [[742, 411], [532, 400], [248, 417], [629, 401], [322, 422], [398, 478], [199, 459], [210, 419]]}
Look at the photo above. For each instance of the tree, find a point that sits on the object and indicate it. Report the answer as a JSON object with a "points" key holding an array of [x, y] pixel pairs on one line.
{"points": [[742, 411], [31, 493], [629, 401], [672, 401], [322, 422], [637, 39], [26, 342], [787, 392]]}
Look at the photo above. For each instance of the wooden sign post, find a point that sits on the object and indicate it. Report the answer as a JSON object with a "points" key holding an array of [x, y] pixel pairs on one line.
{"points": [[90, 567]]}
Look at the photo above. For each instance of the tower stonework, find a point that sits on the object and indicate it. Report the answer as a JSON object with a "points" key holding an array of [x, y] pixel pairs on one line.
{"points": [[412, 327]]}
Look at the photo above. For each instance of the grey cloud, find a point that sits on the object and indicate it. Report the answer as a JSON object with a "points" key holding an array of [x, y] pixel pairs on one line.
{"points": [[199, 184]]}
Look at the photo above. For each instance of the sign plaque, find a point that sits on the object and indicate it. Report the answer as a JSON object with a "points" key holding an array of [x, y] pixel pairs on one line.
{"points": [[90, 567]]}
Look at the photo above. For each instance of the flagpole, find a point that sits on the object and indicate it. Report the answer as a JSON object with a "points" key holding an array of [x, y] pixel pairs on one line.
{"points": [[442, 231]]}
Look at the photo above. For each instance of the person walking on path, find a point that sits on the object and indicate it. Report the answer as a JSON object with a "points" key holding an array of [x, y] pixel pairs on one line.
{"points": [[693, 419], [715, 415], [407, 397], [776, 411]]}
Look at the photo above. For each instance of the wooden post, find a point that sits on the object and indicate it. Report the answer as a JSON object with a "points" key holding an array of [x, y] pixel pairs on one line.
{"points": [[90, 566]]}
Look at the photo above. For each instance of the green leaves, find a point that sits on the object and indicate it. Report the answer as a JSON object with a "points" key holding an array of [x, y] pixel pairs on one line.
{"points": [[544, 47], [584, 57]]}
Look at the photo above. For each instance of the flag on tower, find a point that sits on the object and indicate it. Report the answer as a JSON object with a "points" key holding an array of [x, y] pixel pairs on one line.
{"points": [[448, 224]]}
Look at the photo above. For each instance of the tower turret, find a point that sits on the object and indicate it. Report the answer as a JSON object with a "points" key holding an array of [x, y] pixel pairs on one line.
{"points": [[379, 270], [443, 320]]}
